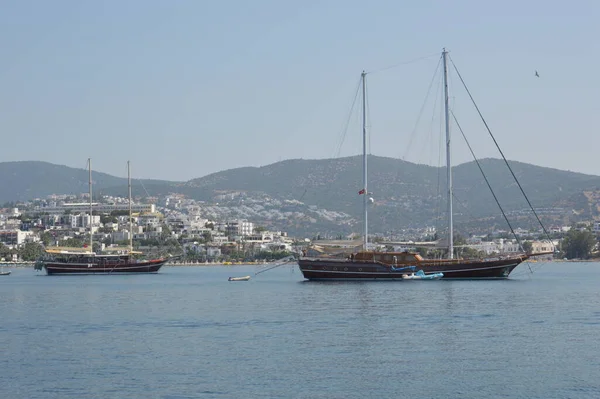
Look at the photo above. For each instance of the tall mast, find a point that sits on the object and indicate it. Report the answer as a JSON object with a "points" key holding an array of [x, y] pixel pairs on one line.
{"points": [[130, 217], [365, 188], [448, 158], [91, 206]]}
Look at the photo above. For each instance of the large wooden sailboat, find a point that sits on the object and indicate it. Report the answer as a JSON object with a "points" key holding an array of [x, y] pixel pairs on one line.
{"points": [[374, 265], [61, 260]]}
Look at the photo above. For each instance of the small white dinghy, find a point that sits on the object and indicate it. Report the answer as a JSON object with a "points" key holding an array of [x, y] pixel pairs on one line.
{"points": [[420, 275], [245, 278]]}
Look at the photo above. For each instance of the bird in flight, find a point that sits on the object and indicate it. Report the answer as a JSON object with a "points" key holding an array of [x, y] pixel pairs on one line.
{"points": [[537, 74]]}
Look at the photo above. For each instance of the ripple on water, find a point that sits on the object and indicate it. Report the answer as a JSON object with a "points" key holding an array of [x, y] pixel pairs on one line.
{"points": [[189, 333]]}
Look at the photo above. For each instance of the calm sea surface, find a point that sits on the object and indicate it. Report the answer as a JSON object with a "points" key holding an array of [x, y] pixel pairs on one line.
{"points": [[189, 333]]}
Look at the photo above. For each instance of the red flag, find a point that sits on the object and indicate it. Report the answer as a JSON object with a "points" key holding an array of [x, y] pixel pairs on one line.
{"points": [[362, 191], [85, 245]]}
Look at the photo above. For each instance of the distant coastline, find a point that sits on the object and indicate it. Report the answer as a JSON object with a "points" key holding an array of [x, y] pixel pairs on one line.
{"points": [[219, 263], [31, 264], [197, 264]]}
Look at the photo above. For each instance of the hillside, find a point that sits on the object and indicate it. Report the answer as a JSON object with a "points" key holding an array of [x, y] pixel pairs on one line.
{"points": [[406, 194], [26, 180], [311, 196]]}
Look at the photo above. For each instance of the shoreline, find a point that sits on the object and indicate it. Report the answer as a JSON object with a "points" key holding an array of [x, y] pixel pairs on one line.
{"points": [[222, 264], [25, 265]]}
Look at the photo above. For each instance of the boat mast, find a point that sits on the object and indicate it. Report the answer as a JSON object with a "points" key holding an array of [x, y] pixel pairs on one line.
{"points": [[130, 217], [448, 158], [91, 206], [365, 189]]}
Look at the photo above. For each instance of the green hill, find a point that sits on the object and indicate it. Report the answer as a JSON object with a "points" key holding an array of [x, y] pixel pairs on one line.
{"points": [[405, 194], [26, 180], [303, 191]]}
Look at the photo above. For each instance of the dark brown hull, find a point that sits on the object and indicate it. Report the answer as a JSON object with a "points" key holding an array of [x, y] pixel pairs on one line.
{"points": [[55, 268], [342, 269]]}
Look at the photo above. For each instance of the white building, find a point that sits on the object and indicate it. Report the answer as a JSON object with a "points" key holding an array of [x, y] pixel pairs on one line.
{"points": [[240, 228], [499, 246], [542, 246], [152, 220], [276, 246], [119, 236], [14, 237], [83, 220], [213, 252], [259, 237]]}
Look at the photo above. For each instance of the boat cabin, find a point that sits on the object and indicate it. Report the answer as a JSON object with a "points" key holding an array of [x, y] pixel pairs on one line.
{"points": [[391, 258], [83, 255]]}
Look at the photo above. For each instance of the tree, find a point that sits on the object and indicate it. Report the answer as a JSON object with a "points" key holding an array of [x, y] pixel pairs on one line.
{"points": [[73, 242], [108, 219], [527, 247], [46, 238], [467, 252], [578, 244], [31, 251], [166, 232], [459, 239], [433, 237], [505, 235], [4, 251], [207, 236]]}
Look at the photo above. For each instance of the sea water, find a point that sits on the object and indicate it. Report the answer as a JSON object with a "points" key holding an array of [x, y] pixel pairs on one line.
{"points": [[187, 332]]}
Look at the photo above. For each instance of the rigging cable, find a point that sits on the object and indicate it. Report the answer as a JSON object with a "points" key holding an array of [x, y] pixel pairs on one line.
{"points": [[486, 179], [464, 205], [345, 128], [280, 262], [413, 133], [404, 63], [410, 216], [142, 183], [501, 153]]}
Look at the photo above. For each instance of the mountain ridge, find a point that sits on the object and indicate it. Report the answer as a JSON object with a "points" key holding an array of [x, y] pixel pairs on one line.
{"points": [[35, 179], [322, 195]]}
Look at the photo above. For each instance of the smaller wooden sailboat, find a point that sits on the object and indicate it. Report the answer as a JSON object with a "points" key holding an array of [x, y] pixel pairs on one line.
{"points": [[64, 261], [245, 278]]}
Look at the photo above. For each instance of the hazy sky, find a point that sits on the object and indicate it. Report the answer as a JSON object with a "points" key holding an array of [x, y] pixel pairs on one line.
{"points": [[187, 88]]}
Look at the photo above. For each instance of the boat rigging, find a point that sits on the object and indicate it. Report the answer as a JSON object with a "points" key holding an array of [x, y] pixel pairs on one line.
{"points": [[376, 265]]}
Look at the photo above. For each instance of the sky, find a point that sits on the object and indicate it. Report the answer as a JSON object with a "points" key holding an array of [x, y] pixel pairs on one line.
{"points": [[185, 88]]}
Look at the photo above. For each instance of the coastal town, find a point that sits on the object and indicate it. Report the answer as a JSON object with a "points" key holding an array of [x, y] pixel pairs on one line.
{"points": [[177, 227], [174, 227]]}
